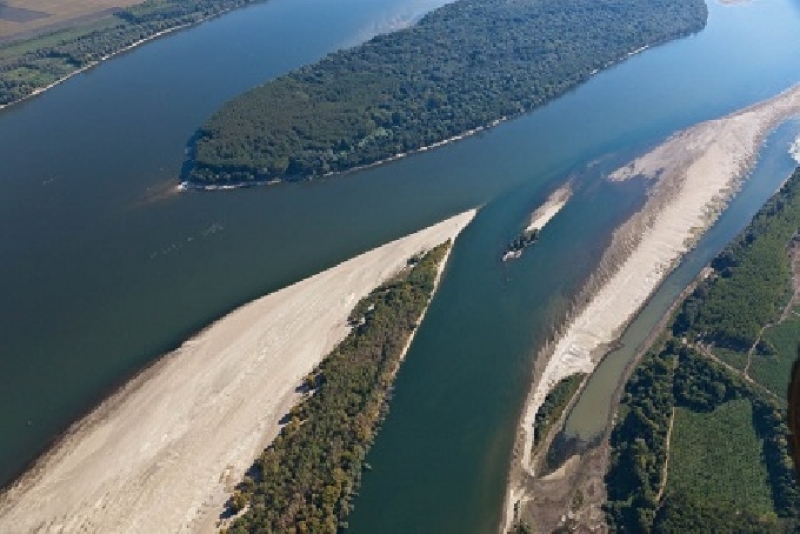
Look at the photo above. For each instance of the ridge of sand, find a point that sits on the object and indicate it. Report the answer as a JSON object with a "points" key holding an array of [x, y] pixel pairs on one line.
{"points": [[554, 203], [158, 455], [696, 172]]}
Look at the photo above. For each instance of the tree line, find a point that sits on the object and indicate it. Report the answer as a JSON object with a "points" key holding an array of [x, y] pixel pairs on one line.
{"points": [[461, 67], [306, 479]]}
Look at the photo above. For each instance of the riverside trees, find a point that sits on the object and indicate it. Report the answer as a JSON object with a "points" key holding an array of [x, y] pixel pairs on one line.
{"points": [[461, 67], [304, 481]]}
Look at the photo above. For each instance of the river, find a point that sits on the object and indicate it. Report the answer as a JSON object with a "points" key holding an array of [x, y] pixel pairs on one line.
{"points": [[104, 268]]}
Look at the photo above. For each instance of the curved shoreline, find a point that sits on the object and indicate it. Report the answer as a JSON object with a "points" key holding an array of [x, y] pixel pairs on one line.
{"points": [[192, 185], [160, 454], [41, 90], [186, 183], [696, 172]]}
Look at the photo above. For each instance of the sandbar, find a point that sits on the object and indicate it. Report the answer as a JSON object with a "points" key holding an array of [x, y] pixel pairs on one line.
{"points": [[554, 203], [694, 175], [161, 454]]}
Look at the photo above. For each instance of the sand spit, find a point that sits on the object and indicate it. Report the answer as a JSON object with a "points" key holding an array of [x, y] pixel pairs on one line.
{"points": [[160, 455], [555, 202], [695, 173]]}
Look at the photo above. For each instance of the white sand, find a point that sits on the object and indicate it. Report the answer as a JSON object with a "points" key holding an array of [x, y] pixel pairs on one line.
{"points": [[555, 202], [697, 171], [160, 455], [794, 150]]}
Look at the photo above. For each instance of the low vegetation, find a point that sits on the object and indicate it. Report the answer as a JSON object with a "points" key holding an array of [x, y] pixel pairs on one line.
{"points": [[554, 405], [716, 455], [680, 513], [461, 67], [28, 65], [305, 480], [774, 368], [713, 415], [729, 463]]}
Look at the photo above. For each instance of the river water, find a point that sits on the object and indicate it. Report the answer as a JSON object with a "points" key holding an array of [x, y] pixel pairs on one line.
{"points": [[103, 268]]}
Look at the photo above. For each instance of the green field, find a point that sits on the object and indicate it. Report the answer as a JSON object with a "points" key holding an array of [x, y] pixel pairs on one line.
{"points": [[773, 370], [734, 358], [716, 457]]}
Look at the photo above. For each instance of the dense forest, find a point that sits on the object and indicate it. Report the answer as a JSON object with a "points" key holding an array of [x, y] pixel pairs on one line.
{"points": [[751, 281], [461, 67], [38, 62], [304, 481], [729, 467]]}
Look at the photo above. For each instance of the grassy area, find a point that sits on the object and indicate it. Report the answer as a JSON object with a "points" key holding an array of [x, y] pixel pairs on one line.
{"points": [[773, 370], [751, 283], [735, 358], [58, 12], [716, 457], [729, 463]]}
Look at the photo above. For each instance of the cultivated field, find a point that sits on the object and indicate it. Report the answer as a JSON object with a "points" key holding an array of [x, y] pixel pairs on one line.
{"points": [[28, 17]]}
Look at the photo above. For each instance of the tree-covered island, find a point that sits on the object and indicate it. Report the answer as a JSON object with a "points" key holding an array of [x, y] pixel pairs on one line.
{"points": [[462, 67]]}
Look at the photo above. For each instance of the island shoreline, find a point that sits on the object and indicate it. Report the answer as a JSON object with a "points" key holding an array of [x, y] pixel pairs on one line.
{"points": [[47, 477]]}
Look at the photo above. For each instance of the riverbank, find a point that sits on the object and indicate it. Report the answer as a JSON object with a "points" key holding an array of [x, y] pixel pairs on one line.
{"points": [[161, 454], [695, 173], [93, 64], [82, 27]]}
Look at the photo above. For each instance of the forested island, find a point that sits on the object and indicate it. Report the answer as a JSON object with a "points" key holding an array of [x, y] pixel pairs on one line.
{"points": [[701, 441], [523, 241], [35, 63], [464, 66], [305, 480]]}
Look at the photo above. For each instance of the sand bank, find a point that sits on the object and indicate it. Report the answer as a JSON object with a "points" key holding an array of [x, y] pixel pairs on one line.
{"points": [[695, 173], [555, 202], [160, 455]]}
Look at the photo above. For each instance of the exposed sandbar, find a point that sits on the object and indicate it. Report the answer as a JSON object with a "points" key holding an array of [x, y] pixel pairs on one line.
{"points": [[161, 454], [695, 172], [555, 202]]}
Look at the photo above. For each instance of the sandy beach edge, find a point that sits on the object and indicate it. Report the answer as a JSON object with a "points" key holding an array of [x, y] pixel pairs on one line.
{"points": [[126, 466], [209, 522], [645, 249]]}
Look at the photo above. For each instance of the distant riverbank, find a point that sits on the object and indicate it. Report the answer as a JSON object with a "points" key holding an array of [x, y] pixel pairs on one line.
{"points": [[31, 67], [41, 90]]}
